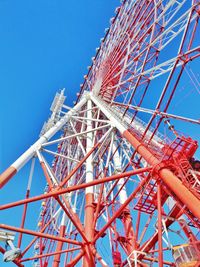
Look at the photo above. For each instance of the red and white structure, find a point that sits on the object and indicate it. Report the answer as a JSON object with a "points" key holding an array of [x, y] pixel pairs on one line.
{"points": [[122, 183]]}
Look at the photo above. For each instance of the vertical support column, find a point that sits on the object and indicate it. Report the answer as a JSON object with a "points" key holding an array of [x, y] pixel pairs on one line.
{"points": [[88, 260], [125, 216], [56, 261], [160, 247], [118, 169]]}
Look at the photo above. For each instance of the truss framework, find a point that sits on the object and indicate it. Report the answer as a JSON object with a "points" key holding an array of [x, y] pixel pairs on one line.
{"points": [[118, 190]]}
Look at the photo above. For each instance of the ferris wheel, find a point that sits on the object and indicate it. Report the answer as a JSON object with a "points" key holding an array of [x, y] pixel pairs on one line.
{"points": [[121, 166]]}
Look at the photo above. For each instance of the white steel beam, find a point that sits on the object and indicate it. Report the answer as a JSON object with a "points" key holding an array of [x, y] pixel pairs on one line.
{"points": [[19, 163], [118, 169], [60, 155], [29, 153], [74, 135], [89, 141]]}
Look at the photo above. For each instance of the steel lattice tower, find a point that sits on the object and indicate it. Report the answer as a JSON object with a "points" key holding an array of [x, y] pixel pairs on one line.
{"points": [[122, 183]]}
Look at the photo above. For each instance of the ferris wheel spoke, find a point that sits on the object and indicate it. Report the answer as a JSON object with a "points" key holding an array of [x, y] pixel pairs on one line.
{"points": [[162, 68], [159, 113], [167, 31]]}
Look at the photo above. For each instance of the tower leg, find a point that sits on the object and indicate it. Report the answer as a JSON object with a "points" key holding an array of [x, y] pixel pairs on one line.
{"points": [[88, 259], [160, 255], [127, 220]]}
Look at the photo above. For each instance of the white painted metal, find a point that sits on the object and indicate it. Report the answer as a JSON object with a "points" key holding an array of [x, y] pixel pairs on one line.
{"points": [[117, 31], [73, 135], [60, 155], [102, 106], [102, 142], [42, 160], [64, 220], [118, 169], [89, 146], [122, 123], [78, 139], [26, 156], [110, 150], [31, 174], [86, 118], [56, 111], [5, 236], [162, 114], [159, 69]]}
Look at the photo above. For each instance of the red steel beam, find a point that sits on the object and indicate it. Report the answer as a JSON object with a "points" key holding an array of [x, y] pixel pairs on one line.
{"points": [[56, 261], [171, 180], [7, 175], [75, 221], [35, 238], [66, 179], [88, 259], [75, 187], [119, 211], [46, 175], [160, 246], [23, 219], [175, 213], [50, 254], [38, 234], [73, 262]]}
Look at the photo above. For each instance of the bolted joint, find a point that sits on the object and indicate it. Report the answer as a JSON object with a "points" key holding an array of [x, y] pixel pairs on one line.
{"points": [[157, 168]]}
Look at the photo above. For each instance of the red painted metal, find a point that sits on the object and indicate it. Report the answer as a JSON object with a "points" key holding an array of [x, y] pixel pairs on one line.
{"points": [[75, 260], [38, 234], [56, 261], [23, 219], [168, 177], [89, 230], [75, 187], [160, 246], [50, 254], [145, 184], [120, 210], [7, 175]]}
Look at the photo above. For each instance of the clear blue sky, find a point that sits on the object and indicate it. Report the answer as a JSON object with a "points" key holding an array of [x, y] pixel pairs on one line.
{"points": [[45, 45]]}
